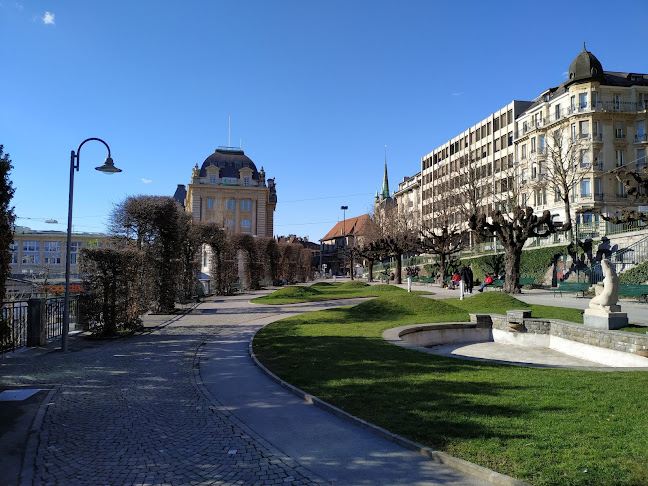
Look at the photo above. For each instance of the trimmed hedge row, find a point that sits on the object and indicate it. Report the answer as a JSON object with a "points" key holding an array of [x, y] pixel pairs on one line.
{"points": [[533, 264], [637, 275]]}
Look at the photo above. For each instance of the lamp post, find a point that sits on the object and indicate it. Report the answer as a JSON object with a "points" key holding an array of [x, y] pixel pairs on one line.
{"points": [[107, 168], [344, 208]]}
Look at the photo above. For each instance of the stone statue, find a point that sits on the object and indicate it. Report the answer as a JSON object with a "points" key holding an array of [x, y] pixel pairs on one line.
{"points": [[607, 298]]}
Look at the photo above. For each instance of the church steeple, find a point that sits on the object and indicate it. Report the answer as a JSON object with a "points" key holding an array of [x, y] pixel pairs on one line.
{"points": [[384, 192]]}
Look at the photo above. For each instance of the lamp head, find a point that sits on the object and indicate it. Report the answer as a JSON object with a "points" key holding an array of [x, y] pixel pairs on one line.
{"points": [[108, 167]]}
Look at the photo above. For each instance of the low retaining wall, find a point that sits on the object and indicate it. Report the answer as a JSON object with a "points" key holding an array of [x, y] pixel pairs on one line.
{"points": [[611, 348]]}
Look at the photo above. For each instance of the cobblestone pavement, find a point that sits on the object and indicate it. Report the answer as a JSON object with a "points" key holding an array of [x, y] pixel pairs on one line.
{"points": [[132, 412]]}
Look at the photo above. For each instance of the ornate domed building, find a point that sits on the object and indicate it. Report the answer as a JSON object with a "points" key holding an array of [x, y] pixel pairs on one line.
{"points": [[228, 189]]}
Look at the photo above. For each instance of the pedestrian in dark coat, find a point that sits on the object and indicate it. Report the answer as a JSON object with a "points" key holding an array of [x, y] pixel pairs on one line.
{"points": [[470, 279]]}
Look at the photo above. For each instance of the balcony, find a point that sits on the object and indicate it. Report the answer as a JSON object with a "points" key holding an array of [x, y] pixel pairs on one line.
{"points": [[597, 137], [641, 138]]}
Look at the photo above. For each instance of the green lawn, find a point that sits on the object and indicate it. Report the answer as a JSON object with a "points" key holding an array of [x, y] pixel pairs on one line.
{"points": [[544, 426], [329, 291]]}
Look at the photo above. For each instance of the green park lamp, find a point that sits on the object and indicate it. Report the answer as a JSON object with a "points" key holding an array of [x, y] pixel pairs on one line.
{"points": [[107, 168]]}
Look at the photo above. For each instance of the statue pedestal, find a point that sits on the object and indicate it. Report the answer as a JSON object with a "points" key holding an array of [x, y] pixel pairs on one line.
{"points": [[607, 317]]}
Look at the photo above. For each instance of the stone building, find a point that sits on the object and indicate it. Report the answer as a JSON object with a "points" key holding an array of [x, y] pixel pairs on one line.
{"points": [[229, 190]]}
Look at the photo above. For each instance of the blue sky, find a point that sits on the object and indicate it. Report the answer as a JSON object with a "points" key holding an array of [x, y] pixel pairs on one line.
{"points": [[315, 90]]}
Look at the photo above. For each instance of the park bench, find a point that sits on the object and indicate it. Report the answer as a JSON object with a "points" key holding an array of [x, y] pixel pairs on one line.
{"points": [[414, 279], [634, 290], [574, 287], [526, 281]]}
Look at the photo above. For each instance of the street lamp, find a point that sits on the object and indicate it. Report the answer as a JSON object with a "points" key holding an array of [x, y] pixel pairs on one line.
{"points": [[107, 168], [344, 208]]}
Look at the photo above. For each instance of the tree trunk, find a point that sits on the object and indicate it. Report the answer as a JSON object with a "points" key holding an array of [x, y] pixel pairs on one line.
{"points": [[351, 269], [399, 269], [370, 265], [512, 269], [442, 268]]}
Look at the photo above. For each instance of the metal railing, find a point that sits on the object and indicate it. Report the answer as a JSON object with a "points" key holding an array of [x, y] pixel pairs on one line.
{"points": [[13, 325], [14, 321], [622, 260]]}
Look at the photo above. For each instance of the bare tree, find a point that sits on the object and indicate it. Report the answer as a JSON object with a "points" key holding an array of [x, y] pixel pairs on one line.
{"points": [[559, 165], [398, 235]]}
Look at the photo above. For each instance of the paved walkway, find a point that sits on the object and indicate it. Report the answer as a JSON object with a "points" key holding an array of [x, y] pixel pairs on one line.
{"points": [[183, 404]]}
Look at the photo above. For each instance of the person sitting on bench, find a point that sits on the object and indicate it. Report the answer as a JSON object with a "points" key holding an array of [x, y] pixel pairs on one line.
{"points": [[488, 280]]}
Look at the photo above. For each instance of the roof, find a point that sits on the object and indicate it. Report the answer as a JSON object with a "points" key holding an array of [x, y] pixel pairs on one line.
{"points": [[586, 66], [229, 160], [180, 194], [352, 227]]}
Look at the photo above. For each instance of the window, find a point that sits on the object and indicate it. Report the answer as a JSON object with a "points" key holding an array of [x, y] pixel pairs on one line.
{"points": [[573, 131], [75, 246], [230, 204], [641, 159], [586, 190], [572, 103], [596, 128], [52, 252], [618, 130], [620, 189], [524, 151], [13, 248], [246, 181], [557, 111], [582, 101], [212, 179], [557, 195], [246, 205], [619, 158], [246, 226], [533, 145], [211, 203], [584, 158], [598, 188], [583, 127], [616, 103], [31, 252], [541, 143], [640, 129], [525, 175], [594, 99]]}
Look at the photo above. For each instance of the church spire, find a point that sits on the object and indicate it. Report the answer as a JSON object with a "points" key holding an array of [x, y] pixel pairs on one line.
{"points": [[384, 192]]}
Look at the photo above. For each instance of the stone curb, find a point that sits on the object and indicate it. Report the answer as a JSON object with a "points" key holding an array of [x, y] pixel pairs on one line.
{"points": [[461, 465], [31, 447]]}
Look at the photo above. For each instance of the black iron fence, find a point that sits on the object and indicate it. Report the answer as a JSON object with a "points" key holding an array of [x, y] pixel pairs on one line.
{"points": [[15, 316]]}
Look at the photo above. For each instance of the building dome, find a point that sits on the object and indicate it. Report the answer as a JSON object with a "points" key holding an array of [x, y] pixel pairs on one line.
{"points": [[229, 161], [585, 66]]}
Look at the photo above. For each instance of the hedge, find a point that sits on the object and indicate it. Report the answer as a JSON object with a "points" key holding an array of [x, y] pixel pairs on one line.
{"points": [[637, 275]]}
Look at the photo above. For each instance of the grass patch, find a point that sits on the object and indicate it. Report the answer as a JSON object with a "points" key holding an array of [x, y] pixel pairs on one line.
{"points": [[544, 426], [329, 291], [499, 303]]}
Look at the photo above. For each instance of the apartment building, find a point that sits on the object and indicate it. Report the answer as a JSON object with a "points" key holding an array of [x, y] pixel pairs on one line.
{"points": [[408, 196], [590, 124], [480, 158], [573, 135], [40, 255]]}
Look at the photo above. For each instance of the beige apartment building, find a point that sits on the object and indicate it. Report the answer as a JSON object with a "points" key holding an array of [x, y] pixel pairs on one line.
{"points": [[590, 124], [39, 256], [408, 196]]}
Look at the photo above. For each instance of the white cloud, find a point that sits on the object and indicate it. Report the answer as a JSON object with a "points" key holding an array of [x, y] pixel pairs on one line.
{"points": [[565, 74], [457, 93], [48, 18], [147, 181]]}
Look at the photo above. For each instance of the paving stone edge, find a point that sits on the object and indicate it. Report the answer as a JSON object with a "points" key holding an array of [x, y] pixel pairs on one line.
{"points": [[480, 472], [217, 405]]}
